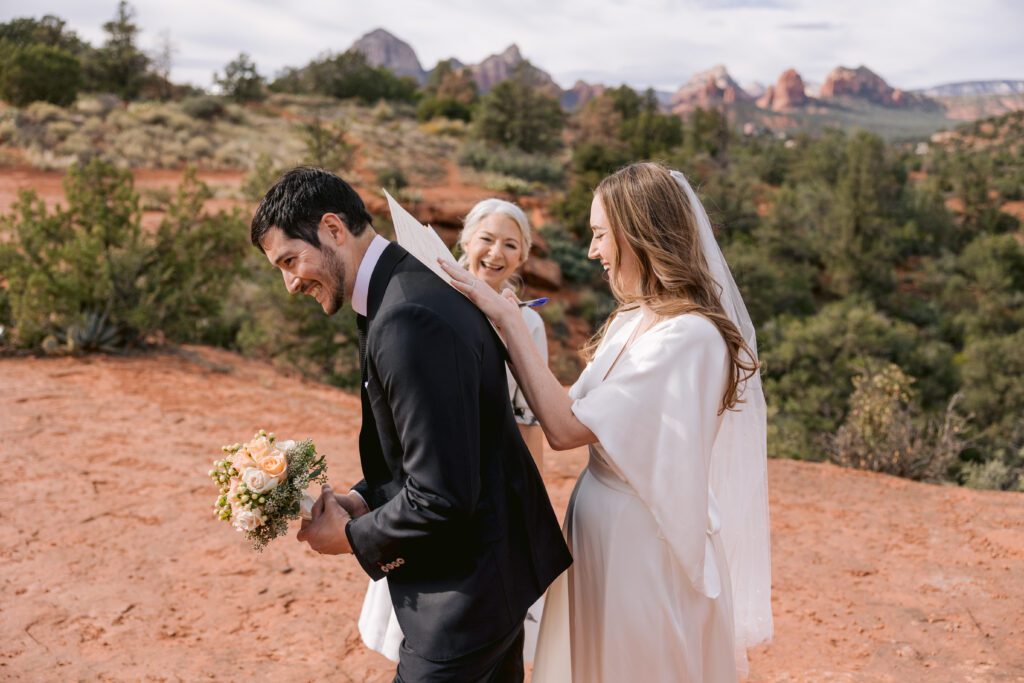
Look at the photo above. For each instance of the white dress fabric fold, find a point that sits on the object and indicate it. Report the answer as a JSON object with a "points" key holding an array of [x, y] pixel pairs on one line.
{"points": [[648, 597]]}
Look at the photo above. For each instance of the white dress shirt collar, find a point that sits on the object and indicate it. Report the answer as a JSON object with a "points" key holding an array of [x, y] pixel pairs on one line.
{"points": [[362, 287]]}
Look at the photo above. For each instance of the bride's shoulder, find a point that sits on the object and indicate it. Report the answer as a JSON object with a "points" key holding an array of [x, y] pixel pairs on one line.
{"points": [[693, 328]]}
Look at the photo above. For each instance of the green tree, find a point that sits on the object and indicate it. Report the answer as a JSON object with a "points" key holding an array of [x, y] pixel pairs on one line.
{"points": [[991, 368], [861, 253], [89, 277], [449, 93], [241, 82], [981, 291], [345, 76], [517, 114], [810, 363], [38, 72], [50, 30], [120, 66]]}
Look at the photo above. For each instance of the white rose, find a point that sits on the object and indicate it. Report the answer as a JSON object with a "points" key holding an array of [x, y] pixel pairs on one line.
{"points": [[258, 481], [285, 446], [247, 520]]}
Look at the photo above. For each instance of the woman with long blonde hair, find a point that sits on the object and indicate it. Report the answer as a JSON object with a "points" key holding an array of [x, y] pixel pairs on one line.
{"points": [[669, 522]]}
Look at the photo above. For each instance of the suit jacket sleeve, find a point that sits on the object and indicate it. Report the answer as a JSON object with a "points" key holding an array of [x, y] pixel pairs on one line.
{"points": [[430, 378]]}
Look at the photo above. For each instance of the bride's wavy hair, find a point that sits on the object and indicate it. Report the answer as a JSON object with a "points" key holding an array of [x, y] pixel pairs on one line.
{"points": [[650, 215]]}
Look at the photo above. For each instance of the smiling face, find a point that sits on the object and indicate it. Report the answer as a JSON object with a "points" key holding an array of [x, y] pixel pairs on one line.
{"points": [[495, 250], [620, 264], [318, 272]]}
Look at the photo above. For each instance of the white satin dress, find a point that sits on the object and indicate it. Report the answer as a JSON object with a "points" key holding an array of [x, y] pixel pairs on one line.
{"points": [[648, 596]]}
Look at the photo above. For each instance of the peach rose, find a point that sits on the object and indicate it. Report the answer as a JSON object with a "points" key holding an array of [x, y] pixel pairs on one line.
{"points": [[275, 464], [258, 481], [241, 460], [259, 448], [247, 520]]}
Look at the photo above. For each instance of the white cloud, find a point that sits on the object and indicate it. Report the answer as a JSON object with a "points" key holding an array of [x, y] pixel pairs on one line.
{"points": [[912, 43]]}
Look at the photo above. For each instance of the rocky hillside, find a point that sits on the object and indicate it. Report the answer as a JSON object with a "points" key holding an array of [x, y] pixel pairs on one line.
{"points": [[708, 89]]}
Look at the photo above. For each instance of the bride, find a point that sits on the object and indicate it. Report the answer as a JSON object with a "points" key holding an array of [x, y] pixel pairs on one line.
{"points": [[668, 524]]}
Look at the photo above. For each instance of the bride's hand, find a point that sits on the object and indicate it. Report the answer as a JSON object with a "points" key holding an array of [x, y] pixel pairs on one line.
{"points": [[499, 308]]}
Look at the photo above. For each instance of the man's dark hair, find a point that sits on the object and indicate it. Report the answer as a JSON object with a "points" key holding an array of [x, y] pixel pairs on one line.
{"points": [[300, 198]]}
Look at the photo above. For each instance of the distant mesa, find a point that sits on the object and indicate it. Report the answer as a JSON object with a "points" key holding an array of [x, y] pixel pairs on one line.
{"points": [[716, 89], [500, 67], [976, 89], [864, 84], [383, 49], [789, 92], [580, 94], [967, 101], [708, 89]]}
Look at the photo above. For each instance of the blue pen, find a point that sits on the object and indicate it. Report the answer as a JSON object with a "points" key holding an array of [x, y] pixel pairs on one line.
{"points": [[534, 303]]}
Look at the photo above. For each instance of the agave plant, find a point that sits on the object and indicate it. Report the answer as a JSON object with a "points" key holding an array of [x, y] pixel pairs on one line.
{"points": [[93, 333]]}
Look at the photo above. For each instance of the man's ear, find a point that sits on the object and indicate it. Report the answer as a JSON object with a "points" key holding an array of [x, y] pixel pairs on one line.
{"points": [[335, 227]]}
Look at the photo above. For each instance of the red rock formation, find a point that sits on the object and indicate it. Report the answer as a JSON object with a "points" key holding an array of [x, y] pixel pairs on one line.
{"points": [[788, 93], [498, 68], [706, 90], [862, 83]]}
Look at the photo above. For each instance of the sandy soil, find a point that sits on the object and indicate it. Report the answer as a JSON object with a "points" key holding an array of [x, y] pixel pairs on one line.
{"points": [[112, 567]]}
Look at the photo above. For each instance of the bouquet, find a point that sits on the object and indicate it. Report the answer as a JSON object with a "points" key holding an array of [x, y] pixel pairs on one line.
{"points": [[263, 485]]}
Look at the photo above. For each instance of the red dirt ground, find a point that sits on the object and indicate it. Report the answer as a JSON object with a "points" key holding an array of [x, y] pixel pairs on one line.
{"points": [[113, 568]]}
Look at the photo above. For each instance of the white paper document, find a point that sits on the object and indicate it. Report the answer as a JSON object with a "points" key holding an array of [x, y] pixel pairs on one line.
{"points": [[419, 240]]}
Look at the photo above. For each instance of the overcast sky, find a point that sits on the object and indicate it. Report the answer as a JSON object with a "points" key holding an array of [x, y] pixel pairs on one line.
{"points": [[660, 43]]}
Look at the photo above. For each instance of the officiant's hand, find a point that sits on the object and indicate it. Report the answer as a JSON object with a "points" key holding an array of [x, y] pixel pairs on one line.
{"points": [[325, 533]]}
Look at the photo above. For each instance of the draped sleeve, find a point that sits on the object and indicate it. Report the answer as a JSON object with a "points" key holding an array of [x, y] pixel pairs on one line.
{"points": [[656, 417], [521, 409]]}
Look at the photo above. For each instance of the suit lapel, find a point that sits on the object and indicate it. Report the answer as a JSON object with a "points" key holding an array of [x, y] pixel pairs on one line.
{"points": [[386, 264]]}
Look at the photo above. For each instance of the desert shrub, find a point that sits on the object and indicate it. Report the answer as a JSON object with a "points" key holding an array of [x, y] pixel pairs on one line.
{"points": [[553, 314], [570, 254], [292, 330], [447, 127], [37, 72], [326, 144], [258, 180], [884, 432], [203, 107], [539, 168], [594, 306], [392, 178], [517, 187], [87, 277], [991, 474]]}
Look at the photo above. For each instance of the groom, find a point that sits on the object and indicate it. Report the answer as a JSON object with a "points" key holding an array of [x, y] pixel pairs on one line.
{"points": [[451, 508]]}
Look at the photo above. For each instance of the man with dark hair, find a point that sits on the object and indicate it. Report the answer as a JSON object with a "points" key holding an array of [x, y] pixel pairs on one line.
{"points": [[452, 508]]}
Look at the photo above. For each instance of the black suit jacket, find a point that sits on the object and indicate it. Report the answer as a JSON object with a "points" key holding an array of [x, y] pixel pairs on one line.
{"points": [[460, 522]]}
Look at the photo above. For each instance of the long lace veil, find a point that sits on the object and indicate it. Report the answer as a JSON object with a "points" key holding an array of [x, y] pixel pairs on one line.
{"points": [[739, 464]]}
